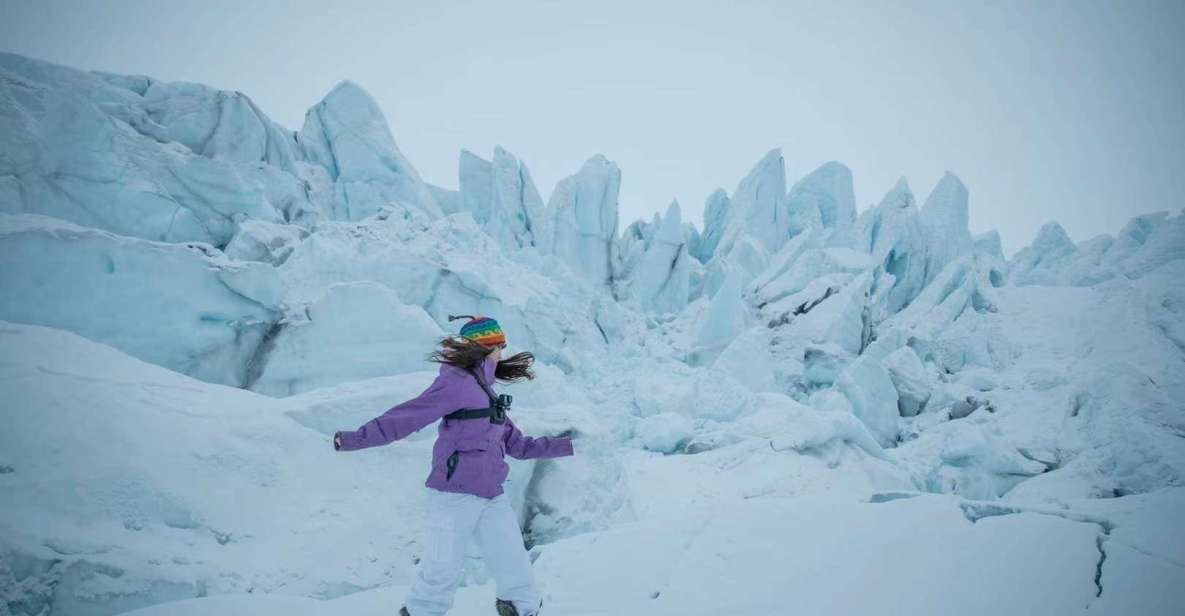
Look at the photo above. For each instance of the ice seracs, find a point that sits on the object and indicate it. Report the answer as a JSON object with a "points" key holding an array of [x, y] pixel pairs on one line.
{"points": [[501, 197], [69, 151], [892, 235], [824, 198], [256, 240], [873, 398], [182, 306], [726, 318], [347, 134], [944, 219], [216, 124], [910, 379], [756, 209], [989, 257], [957, 289], [1144, 244], [448, 262], [356, 330], [660, 279], [716, 212], [988, 243], [186, 162], [1040, 262], [581, 224]]}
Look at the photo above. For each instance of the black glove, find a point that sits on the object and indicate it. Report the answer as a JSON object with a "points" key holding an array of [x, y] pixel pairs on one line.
{"points": [[337, 441]]}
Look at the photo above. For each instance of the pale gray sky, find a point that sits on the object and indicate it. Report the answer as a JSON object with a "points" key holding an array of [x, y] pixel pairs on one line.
{"points": [[1048, 110]]}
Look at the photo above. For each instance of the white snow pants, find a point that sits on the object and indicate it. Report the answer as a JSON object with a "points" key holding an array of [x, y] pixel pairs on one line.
{"points": [[455, 519]]}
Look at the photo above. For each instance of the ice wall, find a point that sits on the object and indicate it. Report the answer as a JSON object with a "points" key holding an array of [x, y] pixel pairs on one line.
{"points": [[581, 218], [183, 306], [501, 197]]}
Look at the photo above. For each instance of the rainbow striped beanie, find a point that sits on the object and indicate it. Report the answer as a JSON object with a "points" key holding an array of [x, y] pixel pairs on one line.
{"points": [[482, 330]]}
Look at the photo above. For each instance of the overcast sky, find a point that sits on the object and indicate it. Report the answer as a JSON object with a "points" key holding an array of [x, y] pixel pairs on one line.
{"points": [[1048, 110]]}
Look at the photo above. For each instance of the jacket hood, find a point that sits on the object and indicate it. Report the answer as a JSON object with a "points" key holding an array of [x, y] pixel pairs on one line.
{"points": [[488, 366]]}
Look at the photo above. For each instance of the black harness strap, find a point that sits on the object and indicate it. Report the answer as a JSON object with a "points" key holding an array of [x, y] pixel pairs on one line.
{"points": [[495, 414], [472, 413]]}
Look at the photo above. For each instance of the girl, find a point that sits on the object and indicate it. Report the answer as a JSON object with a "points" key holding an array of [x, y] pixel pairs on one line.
{"points": [[468, 469]]}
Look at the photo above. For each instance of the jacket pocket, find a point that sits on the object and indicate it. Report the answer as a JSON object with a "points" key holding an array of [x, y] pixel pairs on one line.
{"points": [[451, 465], [473, 449]]}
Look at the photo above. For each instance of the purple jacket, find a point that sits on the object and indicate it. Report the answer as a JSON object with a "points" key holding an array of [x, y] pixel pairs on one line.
{"points": [[479, 444]]}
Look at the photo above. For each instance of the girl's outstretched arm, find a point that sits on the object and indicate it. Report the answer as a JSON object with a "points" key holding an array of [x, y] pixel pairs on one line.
{"points": [[402, 419], [524, 447]]}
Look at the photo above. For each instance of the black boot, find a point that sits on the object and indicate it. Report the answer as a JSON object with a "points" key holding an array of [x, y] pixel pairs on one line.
{"points": [[403, 612], [506, 608]]}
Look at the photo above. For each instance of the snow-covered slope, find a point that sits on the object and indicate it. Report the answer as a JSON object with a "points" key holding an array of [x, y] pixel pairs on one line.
{"points": [[126, 484], [164, 487], [797, 401]]}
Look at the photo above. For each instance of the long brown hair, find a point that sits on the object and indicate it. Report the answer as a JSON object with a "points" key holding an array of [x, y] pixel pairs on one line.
{"points": [[465, 353]]}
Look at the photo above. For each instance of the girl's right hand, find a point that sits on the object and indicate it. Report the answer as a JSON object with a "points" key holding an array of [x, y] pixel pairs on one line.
{"points": [[337, 441]]}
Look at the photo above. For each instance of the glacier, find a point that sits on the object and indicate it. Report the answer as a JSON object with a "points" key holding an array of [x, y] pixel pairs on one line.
{"points": [[660, 281], [580, 227], [187, 307], [501, 197], [799, 398]]}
